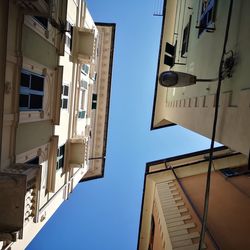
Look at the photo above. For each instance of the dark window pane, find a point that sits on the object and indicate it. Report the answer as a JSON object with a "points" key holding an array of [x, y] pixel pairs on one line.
{"points": [[185, 40], [33, 161], [37, 82], [81, 114], [36, 102], [94, 98], [42, 20], [71, 32], [168, 60], [61, 162], [60, 157], [65, 103], [170, 49], [66, 90], [23, 101], [85, 68], [93, 105], [62, 150], [25, 80]]}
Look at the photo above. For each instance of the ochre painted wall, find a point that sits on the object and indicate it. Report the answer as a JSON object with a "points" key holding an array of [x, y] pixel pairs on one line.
{"points": [[228, 217]]}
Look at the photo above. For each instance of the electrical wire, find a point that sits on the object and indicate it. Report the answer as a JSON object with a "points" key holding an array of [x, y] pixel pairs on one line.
{"points": [[190, 201], [217, 100]]}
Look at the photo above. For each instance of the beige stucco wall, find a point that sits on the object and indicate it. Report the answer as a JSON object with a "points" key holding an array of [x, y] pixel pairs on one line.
{"points": [[193, 106], [228, 208], [30, 44], [38, 134], [32, 135]]}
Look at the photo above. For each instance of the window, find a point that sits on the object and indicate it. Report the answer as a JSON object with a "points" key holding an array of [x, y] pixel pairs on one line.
{"points": [[207, 16], [69, 35], [42, 21], [94, 77], [85, 69], [169, 57], [60, 157], [185, 39], [65, 97], [84, 84], [230, 172], [31, 91], [81, 113], [94, 101], [82, 98]]}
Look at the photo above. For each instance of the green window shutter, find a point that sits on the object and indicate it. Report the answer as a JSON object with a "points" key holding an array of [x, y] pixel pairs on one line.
{"points": [[81, 114]]}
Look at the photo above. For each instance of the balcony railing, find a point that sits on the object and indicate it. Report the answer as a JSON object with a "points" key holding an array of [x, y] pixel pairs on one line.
{"points": [[78, 152], [36, 6], [19, 187], [83, 45]]}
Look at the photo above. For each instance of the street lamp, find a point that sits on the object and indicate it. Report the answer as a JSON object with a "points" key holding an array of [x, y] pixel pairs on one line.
{"points": [[179, 79]]}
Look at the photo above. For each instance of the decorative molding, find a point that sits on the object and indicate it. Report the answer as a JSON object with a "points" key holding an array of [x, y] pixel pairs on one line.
{"points": [[177, 217], [47, 34], [57, 95], [196, 114], [41, 151], [52, 163], [46, 113]]}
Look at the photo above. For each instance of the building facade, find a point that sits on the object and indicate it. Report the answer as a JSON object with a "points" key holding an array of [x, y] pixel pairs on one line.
{"points": [[56, 68], [173, 198], [193, 33]]}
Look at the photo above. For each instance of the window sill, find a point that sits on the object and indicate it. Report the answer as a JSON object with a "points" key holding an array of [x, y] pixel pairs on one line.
{"points": [[32, 116], [210, 28], [47, 34]]}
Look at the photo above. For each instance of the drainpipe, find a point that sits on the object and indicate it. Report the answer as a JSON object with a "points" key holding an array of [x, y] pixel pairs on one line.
{"points": [[97, 158]]}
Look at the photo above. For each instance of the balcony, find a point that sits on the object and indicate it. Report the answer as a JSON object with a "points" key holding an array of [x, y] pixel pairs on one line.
{"points": [[83, 45], [78, 152], [19, 187], [36, 6]]}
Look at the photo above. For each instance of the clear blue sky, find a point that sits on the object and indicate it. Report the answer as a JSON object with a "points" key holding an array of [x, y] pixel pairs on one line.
{"points": [[104, 214]]}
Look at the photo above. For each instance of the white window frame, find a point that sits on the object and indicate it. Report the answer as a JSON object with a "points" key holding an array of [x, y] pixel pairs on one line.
{"points": [[83, 70], [68, 35], [82, 99], [65, 97]]}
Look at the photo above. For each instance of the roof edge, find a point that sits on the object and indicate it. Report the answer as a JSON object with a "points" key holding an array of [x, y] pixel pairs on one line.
{"points": [[158, 64], [108, 100]]}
